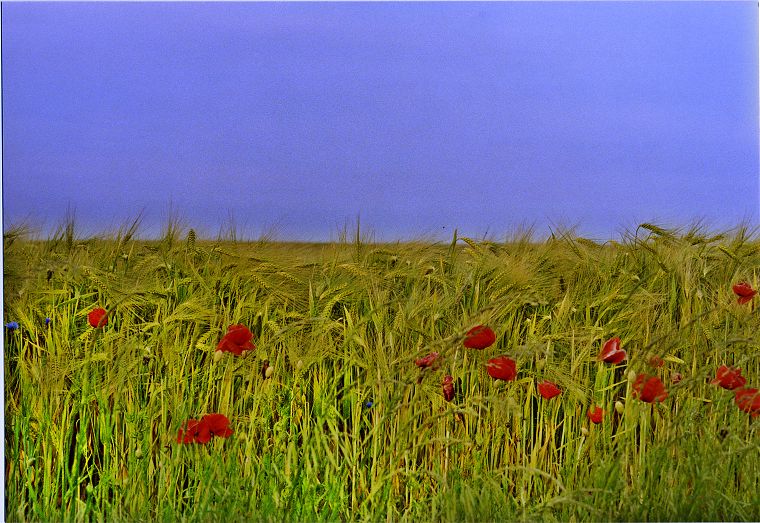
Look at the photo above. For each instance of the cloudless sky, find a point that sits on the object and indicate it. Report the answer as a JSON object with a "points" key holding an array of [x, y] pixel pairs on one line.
{"points": [[417, 117]]}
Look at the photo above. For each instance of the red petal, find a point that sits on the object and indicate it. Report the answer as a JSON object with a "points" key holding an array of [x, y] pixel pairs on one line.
{"points": [[748, 400], [548, 390], [611, 352], [97, 318], [203, 434], [427, 361], [239, 334], [448, 388], [649, 388], [502, 368], [216, 423], [595, 415], [479, 337]]}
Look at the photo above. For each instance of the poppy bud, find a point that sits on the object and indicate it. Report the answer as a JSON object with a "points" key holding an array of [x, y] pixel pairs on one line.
{"points": [[584, 431], [676, 378], [299, 365], [540, 364], [268, 373], [619, 407], [218, 356], [138, 453]]}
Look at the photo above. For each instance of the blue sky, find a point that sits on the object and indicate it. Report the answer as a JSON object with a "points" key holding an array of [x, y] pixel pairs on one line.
{"points": [[417, 117]]}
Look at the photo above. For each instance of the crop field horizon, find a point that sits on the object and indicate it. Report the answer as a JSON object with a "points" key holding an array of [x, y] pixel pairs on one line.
{"points": [[188, 379]]}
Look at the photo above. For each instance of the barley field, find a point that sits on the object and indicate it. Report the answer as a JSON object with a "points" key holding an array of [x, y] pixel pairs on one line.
{"points": [[362, 392]]}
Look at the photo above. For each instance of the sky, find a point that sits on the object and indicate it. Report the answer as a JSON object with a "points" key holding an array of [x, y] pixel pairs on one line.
{"points": [[297, 119]]}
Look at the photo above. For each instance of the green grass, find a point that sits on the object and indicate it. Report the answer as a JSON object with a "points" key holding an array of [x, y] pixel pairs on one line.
{"points": [[92, 416]]}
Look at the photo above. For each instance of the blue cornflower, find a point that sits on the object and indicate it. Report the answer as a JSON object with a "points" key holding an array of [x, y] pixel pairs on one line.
{"points": [[47, 321], [12, 326], [369, 404]]}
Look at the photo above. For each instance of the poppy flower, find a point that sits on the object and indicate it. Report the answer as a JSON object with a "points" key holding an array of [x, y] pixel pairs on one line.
{"points": [[427, 361], [548, 390], [502, 368], [98, 318], [218, 425], [11, 326], [479, 337], [729, 378], [237, 340], [448, 388], [656, 361], [595, 415], [649, 389], [744, 291], [194, 431], [748, 400], [611, 352]]}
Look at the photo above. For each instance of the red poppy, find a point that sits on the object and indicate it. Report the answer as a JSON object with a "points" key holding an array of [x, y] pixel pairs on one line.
{"points": [[502, 368], [237, 340], [194, 431], [548, 390], [218, 425], [448, 388], [729, 378], [656, 361], [744, 291], [595, 415], [479, 337], [611, 352], [427, 361], [98, 318], [649, 388], [748, 400]]}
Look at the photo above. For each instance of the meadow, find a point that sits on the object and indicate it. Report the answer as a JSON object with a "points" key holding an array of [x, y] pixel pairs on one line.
{"points": [[332, 416]]}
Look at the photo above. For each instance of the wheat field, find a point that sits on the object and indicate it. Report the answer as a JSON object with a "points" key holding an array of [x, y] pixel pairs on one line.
{"points": [[331, 418]]}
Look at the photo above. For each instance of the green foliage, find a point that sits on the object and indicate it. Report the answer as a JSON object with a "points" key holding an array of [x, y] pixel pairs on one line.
{"points": [[93, 415]]}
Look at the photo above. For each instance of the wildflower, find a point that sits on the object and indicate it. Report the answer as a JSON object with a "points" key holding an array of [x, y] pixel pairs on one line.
{"points": [[201, 431], [611, 352], [656, 361], [98, 318], [368, 404], [676, 378], [47, 321], [744, 291], [502, 368], [548, 390], [195, 431], [448, 387], [595, 415], [427, 361], [218, 425], [237, 340], [11, 326], [649, 389], [748, 400], [729, 378], [479, 337]]}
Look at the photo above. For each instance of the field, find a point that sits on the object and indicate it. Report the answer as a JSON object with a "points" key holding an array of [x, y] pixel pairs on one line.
{"points": [[331, 417]]}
